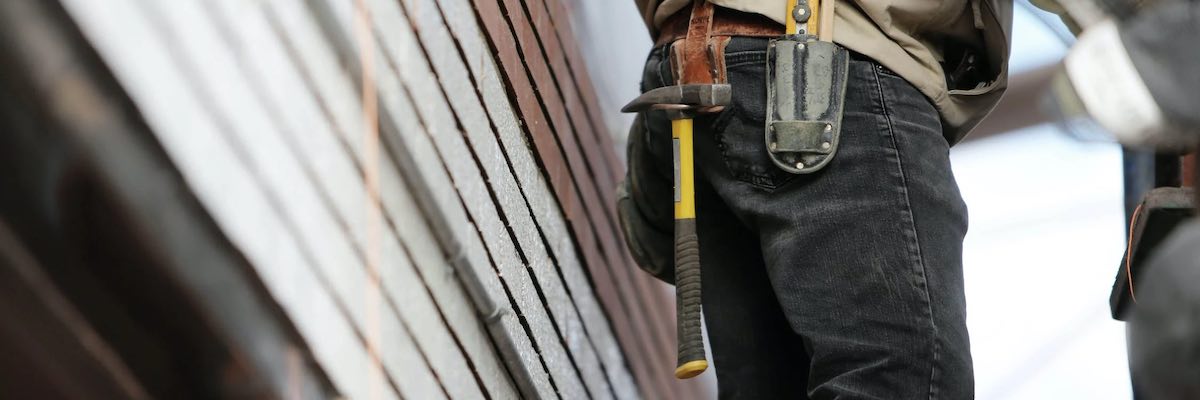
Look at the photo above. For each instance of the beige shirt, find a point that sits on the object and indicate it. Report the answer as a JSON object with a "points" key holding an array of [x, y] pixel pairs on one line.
{"points": [[905, 36]]}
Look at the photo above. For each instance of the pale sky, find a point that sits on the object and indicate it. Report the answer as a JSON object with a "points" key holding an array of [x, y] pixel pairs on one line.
{"points": [[1045, 241]]}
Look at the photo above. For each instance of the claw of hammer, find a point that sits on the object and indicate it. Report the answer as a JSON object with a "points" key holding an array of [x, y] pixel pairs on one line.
{"points": [[690, 97]]}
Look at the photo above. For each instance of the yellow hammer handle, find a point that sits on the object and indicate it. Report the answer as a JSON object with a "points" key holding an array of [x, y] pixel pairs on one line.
{"points": [[790, 23], [814, 20], [685, 205], [691, 357]]}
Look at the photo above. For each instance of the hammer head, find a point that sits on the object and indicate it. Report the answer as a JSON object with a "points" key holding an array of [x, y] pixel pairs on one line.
{"points": [[685, 98]]}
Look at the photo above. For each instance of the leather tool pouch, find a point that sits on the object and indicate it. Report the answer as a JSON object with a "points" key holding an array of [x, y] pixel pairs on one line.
{"points": [[806, 92], [647, 231]]}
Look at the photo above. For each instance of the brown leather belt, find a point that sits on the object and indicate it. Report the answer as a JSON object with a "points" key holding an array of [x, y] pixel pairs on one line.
{"points": [[725, 22], [699, 35]]}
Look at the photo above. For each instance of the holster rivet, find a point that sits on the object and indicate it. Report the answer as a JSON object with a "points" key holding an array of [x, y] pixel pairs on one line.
{"points": [[828, 127], [799, 165], [800, 13], [774, 146], [825, 145]]}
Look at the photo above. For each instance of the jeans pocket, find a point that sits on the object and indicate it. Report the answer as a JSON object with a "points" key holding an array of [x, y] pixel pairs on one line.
{"points": [[739, 130]]}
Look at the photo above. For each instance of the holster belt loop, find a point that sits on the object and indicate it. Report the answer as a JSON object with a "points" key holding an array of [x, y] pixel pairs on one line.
{"points": [[692, 59]]}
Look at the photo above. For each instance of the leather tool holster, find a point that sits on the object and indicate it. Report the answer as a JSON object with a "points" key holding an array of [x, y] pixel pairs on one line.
{"points": [[806, 95], [698, 38]]}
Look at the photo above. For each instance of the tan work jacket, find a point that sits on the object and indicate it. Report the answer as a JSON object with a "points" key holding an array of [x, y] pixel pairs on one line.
{"points": [[905, 36]]}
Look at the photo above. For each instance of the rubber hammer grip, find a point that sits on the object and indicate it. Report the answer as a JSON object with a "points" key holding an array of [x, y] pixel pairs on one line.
{"points": [[687, 300]]}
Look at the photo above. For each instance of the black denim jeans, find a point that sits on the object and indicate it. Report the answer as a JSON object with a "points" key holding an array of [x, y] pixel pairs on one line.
{"points": [[842, 284]]}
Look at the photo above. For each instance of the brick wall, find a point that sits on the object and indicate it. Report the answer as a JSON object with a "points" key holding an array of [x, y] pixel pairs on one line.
{"points": [[424, 187]]}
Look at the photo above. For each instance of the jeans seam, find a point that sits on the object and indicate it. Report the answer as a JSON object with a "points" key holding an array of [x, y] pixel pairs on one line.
{"points": [[745, 57], [914, 240], [741, 63], [719, 125], [885, 71]]}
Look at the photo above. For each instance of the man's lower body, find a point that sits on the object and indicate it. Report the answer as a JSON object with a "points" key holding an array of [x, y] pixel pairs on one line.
{"points": [[842, 284]]}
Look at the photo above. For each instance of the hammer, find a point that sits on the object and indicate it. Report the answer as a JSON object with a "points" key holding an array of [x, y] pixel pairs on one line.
{"points": [[682, 103]]}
